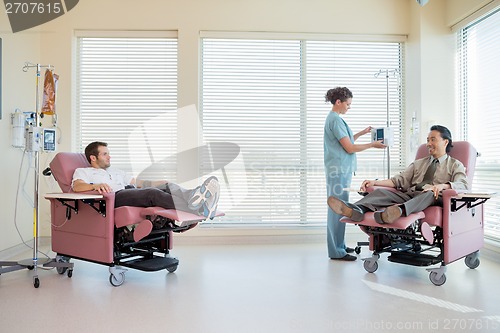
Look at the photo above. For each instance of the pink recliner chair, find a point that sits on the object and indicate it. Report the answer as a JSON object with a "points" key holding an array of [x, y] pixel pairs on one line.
{"points": [[436, 234], [87, 226]]}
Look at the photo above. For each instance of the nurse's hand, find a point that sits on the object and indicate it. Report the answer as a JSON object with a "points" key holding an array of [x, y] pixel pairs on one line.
{"points": [[378, 144], [366, 130]]}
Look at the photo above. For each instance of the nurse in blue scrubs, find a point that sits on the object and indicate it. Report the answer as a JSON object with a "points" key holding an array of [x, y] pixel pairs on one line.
{"points": [[340, 164]]}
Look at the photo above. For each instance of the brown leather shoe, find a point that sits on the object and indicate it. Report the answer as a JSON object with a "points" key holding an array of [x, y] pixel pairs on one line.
{"points": [[389, 215], [341, 208]]}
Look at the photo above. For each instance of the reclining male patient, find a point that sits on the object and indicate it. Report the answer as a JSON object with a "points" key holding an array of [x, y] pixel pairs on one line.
{"points": [[419, 186], [101, 177]]}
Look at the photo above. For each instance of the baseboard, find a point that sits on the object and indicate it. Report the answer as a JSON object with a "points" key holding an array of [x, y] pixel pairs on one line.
{"points": [[491, 250], [249, 239], [22, 248]]}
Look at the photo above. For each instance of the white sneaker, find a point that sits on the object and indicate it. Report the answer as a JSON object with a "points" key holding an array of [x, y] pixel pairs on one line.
{"points": [[206, 197], [196, 199]]}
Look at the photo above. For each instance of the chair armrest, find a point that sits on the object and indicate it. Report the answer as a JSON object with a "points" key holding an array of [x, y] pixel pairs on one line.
{"points": [[448, 194], [107, 206], [73, 196], [104, 195], [103, 203]]}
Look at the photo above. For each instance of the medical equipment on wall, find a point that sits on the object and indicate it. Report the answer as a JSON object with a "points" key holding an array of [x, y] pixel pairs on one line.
{"points": [[25, 133], [388, 73], [18, 122], [34, 140], [40, 139], [414, 133]]}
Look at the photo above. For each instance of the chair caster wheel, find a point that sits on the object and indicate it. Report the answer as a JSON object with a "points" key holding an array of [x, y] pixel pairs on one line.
{"points": [[433, 276], [370, 266], [472, 261], [117, 280]]}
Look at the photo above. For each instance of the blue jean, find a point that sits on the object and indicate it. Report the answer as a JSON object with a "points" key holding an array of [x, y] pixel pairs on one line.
{"points": [[335, 230]]}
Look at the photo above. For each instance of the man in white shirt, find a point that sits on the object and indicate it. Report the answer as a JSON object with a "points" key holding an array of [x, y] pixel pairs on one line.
{"points": [[103, 178]]}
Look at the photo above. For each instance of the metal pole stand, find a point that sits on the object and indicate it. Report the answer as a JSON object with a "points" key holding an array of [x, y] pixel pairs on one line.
{"points": [[388, 73], [33, 263]]}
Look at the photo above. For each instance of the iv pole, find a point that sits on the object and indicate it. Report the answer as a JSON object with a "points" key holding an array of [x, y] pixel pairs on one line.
{"points": [[35, 261], [31, 263], [387, 73]]}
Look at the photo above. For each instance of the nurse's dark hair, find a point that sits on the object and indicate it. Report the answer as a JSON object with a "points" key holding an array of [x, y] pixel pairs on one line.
{"points": [[93, 149], [334, 94], [445, 134]]}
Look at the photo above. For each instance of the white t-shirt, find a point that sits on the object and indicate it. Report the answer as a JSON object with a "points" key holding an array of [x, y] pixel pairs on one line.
{"points": [[115, 178]]}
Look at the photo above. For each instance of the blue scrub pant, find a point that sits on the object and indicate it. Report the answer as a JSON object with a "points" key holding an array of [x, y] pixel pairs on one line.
{"points": [[335, 230]]}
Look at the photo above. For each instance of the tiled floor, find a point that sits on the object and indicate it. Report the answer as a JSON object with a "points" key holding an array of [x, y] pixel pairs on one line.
{"points": [[254, 288]]}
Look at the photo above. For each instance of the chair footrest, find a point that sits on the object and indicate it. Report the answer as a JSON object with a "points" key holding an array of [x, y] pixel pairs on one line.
{"points": [[401, 223], [151, 264], [417, 259]]}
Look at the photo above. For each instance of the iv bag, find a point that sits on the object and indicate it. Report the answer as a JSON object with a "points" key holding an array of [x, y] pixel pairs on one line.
{"points": [[49, 93]]}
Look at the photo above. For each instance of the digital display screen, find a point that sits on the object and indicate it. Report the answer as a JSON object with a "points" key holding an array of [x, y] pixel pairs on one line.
{"points": [[380, 134], [49, 139]]}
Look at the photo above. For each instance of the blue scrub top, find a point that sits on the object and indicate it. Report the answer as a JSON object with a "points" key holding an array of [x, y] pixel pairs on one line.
{"points": [[336, 159]]}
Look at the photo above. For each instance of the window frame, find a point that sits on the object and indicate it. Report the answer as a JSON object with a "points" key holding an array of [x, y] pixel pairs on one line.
{"points": [[487, 172], [126, 153], [395, 165]]}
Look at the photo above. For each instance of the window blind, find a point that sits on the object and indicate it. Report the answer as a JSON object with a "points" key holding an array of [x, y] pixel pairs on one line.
{"points": [[267, 96], [126, 95], [478, 54]]}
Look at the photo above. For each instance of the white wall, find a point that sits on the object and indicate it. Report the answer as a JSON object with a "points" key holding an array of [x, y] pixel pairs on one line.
{"points": [[430, 52], [436, 70], [457, 10], [18, 91]]}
